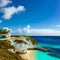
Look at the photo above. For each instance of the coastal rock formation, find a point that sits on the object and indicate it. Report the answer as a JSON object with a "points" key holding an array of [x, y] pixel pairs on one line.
{"points": [[15, 46], [5, 54], [24, 43]]}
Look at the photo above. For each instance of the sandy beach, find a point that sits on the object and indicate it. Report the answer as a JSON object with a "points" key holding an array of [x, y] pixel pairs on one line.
{"points": [[28, 55]]}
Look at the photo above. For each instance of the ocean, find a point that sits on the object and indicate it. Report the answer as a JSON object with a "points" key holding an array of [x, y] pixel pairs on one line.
{"points": [[52, 43]]}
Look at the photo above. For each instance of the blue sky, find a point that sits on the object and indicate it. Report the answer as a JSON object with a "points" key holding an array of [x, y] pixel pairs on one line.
{"points": [[39, 14]]}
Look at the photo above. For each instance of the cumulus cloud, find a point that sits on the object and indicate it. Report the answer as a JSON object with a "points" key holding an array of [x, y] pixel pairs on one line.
{"points": [[27, 29], [24, 31], [39, 32], [9, 11], [0, 21], [4, 3], [45, 32]]}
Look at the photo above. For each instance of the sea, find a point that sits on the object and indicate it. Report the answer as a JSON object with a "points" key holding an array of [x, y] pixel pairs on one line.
{"points": [[52, 43]]}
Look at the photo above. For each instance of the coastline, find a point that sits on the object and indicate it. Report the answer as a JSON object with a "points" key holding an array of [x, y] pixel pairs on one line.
{"points": [[28, 55]]}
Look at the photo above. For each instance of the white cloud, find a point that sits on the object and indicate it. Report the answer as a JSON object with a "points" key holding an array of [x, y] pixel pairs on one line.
{"points": [[39, 32], [57, 25], [4, 3], [19, 30], [45, 32], [0, 21], [27, 29], [9, 11], [20, 8]]}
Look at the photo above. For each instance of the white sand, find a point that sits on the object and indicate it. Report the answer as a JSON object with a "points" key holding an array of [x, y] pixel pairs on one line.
{"points": [[28, 55]]}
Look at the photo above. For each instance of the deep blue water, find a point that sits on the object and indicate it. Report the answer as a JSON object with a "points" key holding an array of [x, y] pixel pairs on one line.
{"points": [[52, 43], [48, 39]]}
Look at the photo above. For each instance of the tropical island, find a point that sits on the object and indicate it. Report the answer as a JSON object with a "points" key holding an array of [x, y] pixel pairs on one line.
{"points": [[14, 47]]}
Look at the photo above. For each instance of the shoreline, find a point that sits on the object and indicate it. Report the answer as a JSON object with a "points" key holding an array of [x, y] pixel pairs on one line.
{"points": [[28, 55]]}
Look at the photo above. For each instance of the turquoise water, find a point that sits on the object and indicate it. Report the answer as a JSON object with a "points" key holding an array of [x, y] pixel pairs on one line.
{"points": [[39, 55], [52, 43], [3, 38]]}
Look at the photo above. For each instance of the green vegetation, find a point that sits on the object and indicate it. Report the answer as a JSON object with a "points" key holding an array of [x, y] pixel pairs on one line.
{"points": [[20, 41], [5, 44], [34, 42], [5, 54], [4, 31], [8, 47], [16, 37]]}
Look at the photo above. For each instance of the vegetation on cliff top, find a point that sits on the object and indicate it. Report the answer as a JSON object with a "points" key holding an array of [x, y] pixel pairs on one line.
{"points": [[5, 54], [34, 42], [4, 31]]}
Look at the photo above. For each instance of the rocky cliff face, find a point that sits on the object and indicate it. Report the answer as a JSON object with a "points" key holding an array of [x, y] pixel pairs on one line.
{"points": [[5, 54], [23, 42], [8, 48]]}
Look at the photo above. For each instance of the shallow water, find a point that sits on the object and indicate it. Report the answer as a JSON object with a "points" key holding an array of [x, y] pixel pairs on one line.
{"points": [[52, 43], [52, 55], [3, 38], [38, 55]]}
